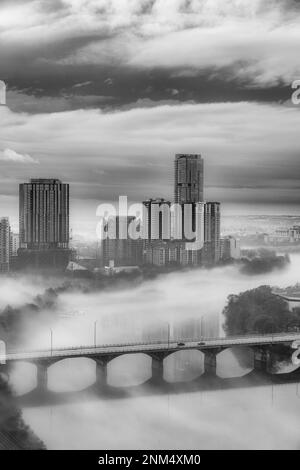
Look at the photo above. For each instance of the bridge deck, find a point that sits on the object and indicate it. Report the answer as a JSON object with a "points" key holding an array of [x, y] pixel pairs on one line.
{"points": [[153, 347]]}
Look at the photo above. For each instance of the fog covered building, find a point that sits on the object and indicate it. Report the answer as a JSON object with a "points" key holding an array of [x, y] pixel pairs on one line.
{"points": [[230, 248]]}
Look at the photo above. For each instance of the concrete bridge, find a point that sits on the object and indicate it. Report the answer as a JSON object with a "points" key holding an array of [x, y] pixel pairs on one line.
{"points": [[262, 346]]}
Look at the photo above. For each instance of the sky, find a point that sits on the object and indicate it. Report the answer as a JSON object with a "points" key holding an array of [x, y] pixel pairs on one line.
{"points": [[103, 93]]}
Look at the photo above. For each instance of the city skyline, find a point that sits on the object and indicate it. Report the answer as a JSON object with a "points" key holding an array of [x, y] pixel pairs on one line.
{"points": [[278, 199], [185, 232], [77, 221]]}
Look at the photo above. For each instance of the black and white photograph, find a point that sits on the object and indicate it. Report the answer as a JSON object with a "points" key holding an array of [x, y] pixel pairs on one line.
{"points": [[149, 228]]}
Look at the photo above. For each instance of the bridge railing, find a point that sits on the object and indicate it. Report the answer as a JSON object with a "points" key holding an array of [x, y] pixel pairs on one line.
{"points": [[155, 342]]}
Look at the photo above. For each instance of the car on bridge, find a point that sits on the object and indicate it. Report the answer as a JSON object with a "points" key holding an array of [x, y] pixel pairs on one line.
{"points": [[180, 344], [201, 343]]}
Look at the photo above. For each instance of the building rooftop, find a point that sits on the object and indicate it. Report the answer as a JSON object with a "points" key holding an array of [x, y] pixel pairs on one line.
{"points": [[44, 180]]}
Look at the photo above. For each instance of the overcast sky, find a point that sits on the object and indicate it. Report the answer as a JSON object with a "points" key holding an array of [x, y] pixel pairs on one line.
{"points": [[103, 93]]}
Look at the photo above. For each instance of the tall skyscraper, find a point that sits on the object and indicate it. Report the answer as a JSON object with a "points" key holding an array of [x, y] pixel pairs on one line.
{"points": [[44, 222], [157, 219], [4, 244], [189, 175], [212, 227], [189, 194], [44, 214]]}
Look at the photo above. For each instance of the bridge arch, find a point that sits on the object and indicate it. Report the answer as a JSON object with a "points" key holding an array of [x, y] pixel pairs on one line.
{"points": [[71, 375], [129, 370], [21, 376], [236, 361], [184, 366]]}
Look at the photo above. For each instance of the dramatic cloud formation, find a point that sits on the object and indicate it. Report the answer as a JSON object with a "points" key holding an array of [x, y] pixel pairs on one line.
{"points": [[250, 146], [54, 47]]}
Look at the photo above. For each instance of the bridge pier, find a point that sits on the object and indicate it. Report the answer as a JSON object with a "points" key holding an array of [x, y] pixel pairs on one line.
{"points": [[101, 372], [210, 363], [41, 376], [157, 369], [261, 361]]}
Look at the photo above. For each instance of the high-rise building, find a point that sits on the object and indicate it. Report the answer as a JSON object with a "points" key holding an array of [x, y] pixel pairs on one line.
{"points": [[118, 248], [156, 219], [14, 244], [189, 195], [188, 257], [230, 248], [44, 214], [13, 250], [189, 175], [188, 222], [157, 254], [4, 244], [156, 228], [44, 223], [212, 223]]}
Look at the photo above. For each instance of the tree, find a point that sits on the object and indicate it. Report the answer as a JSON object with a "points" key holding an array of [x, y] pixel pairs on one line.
{"points": [[258, 311]]}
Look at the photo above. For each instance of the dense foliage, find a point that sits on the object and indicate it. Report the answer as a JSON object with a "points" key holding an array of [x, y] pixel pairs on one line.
{"points": [[259, 310], [14, 433], [262, 261]]}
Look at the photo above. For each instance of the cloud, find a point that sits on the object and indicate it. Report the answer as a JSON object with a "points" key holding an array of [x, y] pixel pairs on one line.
{"points": [[9, 155], [251, 150], [23, 100], [83, 84], [257, 41], [256, 50]]}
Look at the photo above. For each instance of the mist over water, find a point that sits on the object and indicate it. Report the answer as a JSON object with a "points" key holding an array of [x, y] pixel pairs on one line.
{"points": [[237, 419], [263, 417]]}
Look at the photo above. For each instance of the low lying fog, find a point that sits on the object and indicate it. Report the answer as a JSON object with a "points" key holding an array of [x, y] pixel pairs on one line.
{"points": [[231, 419], [125, 314]]}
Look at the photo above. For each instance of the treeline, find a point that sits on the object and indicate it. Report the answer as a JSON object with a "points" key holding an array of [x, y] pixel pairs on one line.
{"points": [[262, 261], [259, 311], [13, 319], [14, 433]]}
